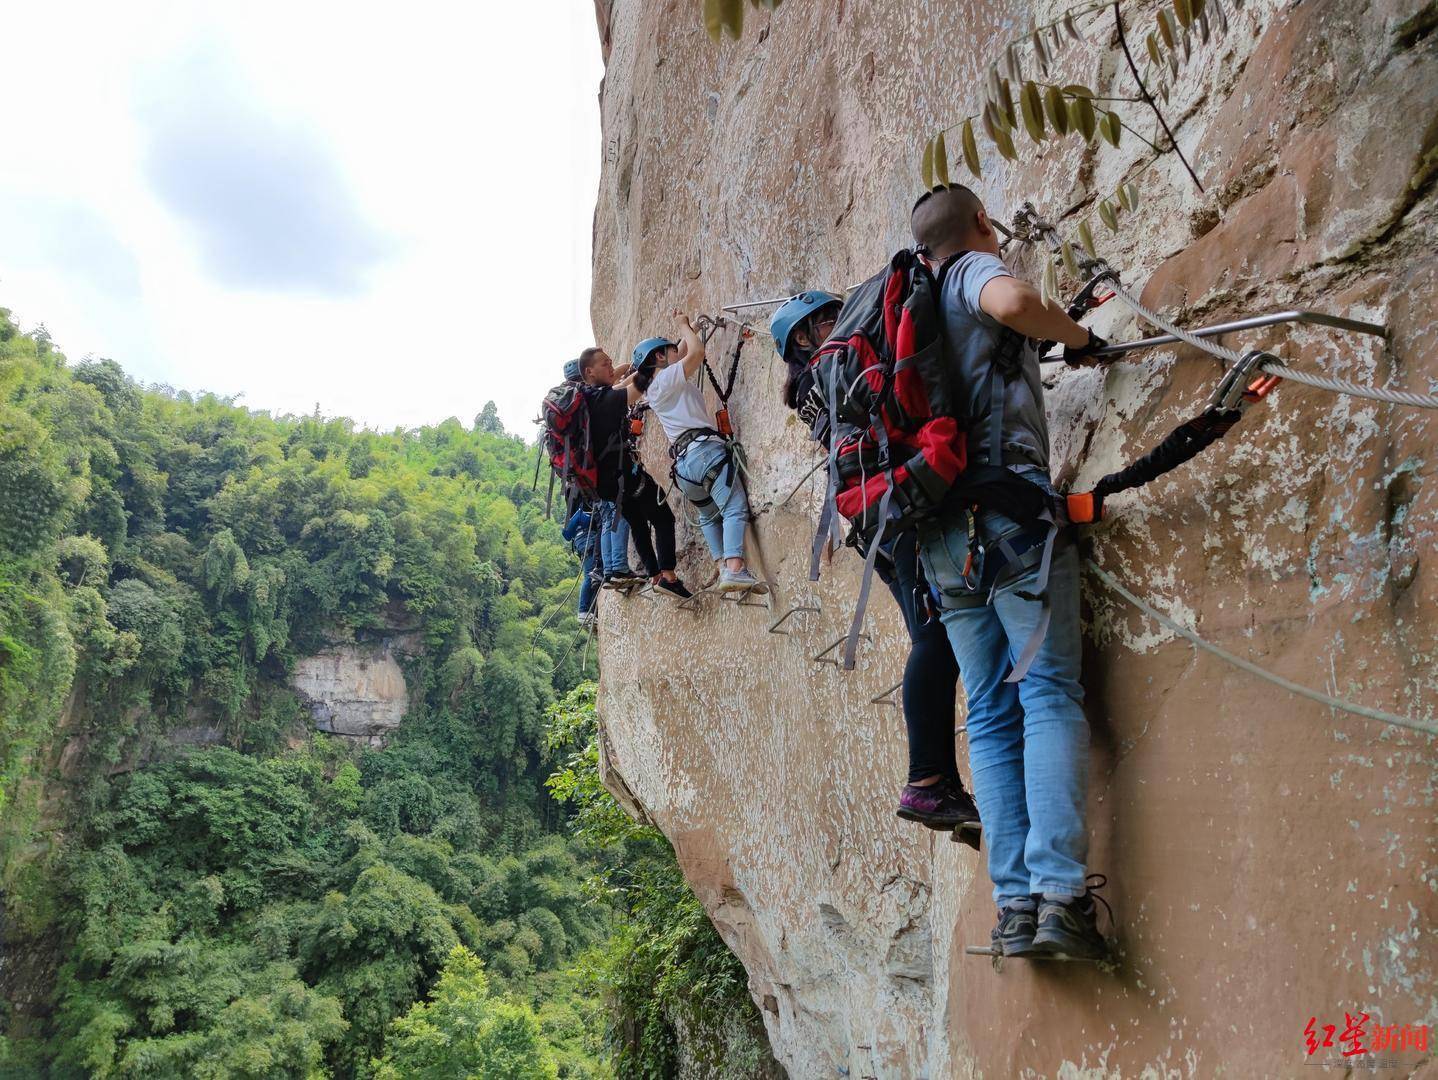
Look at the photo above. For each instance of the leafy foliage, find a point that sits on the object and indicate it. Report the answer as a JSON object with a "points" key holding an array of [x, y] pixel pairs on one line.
{"points": [[282, 905], [727, 16], [1018, 92], [463, 1032], [664, 966]]}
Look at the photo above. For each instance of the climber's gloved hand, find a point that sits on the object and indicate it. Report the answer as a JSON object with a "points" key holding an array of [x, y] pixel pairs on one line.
{"points": [[1083, 355]]}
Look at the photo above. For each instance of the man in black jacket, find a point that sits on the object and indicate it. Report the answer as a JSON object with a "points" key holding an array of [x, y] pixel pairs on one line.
{"points": [[623, 482]]}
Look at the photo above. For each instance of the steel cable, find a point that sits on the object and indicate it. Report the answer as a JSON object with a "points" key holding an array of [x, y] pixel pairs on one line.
{"points": [[1230, 356], [1253, 669]]}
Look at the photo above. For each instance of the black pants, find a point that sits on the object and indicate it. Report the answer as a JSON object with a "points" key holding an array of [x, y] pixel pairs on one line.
{"points": [[931, 675], [644, 511]]}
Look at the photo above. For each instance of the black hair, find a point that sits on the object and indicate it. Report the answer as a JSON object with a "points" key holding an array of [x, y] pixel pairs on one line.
{"points": [[798, 380], [587, 358], [644, 373], [943, 216]]}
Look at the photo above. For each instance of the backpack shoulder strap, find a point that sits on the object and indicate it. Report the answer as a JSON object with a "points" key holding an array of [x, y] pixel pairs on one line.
{"points": [[945, 267]]}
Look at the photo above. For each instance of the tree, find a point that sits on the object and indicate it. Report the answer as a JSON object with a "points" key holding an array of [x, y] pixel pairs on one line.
{"points": [[462, 1033], [488, 421]]}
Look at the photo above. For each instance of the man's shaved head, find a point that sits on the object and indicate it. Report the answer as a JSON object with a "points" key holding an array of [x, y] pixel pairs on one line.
{"points": [[950, 219]]}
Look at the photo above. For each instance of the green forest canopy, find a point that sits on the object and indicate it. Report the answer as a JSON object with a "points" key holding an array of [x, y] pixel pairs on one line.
{"points": [[288, 904]]}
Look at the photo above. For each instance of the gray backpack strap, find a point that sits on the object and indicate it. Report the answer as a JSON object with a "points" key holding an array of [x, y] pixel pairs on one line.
{"points": [[1040, 593], [829, 529], [851, 646], [997, 401]]}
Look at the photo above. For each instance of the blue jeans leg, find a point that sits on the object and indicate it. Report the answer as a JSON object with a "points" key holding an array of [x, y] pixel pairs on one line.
{"points": [[613, 539], [996, 744], [587, 585], [723, 505], [1028, 743]]}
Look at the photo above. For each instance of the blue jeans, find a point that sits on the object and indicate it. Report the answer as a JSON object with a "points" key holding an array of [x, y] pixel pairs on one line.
{"points": [[588, 587], [1028, 742], [613, 540], [723, 506]]}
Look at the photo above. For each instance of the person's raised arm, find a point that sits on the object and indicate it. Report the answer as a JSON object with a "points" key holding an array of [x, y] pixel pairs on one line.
{"points": [[1018, 305], [632, 393], [691, 347]]}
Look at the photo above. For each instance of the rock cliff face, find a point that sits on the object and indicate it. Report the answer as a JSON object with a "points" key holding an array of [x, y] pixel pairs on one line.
{"points": [[1270, 859], [355, 690]]}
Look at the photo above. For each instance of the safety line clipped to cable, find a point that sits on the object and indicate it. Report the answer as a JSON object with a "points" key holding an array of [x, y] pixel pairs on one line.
{"points": [[1271, 365], [1252, 668]]}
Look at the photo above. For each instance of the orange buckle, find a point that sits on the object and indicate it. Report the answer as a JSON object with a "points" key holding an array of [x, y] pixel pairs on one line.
{"points": [[1083, 508], [636, 426]]}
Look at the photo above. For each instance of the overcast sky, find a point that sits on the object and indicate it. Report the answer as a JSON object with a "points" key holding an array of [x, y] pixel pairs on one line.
{"points": [[382, 209]]}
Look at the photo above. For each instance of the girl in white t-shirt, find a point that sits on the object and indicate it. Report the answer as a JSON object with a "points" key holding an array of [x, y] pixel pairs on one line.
{"points": [[703, 463]]}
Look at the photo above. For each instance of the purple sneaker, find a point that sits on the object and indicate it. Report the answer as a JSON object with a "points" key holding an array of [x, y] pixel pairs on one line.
{"points": [[944, 806]]}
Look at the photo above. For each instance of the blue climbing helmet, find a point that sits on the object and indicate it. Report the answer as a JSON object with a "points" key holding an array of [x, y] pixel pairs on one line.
{"points": [[571, 371], [794, 311], [645, 349]]}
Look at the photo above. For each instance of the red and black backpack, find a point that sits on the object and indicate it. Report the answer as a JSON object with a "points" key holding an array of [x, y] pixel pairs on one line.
{"points": [[891, 407], [565, 441]]}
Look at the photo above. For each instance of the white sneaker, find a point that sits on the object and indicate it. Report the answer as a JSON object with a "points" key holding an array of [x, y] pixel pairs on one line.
{"points": [[740, 581], [588, 620]]}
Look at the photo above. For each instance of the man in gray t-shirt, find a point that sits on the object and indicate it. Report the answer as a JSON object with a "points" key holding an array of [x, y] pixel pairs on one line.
{"points": [[1028, 740], [974, 336]]}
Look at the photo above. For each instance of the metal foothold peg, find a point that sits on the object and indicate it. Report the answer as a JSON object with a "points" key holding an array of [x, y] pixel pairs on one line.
{"points": [[887, 697], [796, 609], [825, 658]]}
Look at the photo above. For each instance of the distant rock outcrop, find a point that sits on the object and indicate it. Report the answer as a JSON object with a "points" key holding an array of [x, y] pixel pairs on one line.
{"points": [[355, 690]]}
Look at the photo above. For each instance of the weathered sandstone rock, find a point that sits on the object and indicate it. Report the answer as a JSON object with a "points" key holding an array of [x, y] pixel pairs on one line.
{"points": [[1270, 860], [355, 690]]}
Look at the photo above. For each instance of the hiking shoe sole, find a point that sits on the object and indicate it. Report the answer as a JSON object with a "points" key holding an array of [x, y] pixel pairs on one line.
{"points": [[971, 833], [758, 588], [938, 822], [1048, 949]]}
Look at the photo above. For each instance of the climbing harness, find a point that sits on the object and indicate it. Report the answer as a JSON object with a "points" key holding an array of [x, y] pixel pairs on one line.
{"points": [[732, 462], [887, 400]]}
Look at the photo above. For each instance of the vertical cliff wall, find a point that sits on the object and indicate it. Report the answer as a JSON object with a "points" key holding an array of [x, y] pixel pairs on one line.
{"points": [[1270, 860]]}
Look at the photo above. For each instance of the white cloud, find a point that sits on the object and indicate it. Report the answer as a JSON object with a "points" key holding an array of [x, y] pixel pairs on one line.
{"points": [[386, 211]]}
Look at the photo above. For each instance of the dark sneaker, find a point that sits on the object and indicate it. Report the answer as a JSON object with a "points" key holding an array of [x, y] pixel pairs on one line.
{"points": [[945, 805], [673, 588], [622, 579], [1068, 929], [1014, 933]]}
